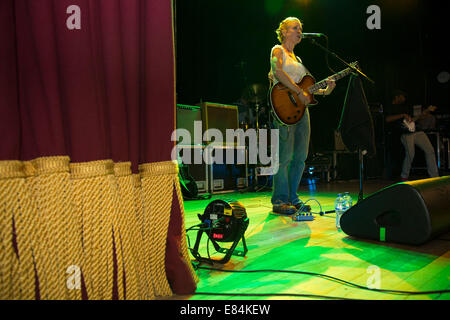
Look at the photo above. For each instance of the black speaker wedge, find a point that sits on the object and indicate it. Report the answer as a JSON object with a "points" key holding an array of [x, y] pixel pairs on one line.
{"points": [[412, 212]]}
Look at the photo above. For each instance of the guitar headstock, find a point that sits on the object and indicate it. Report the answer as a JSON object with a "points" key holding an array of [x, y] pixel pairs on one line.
{"points": [[431, 108], [355, 64]]}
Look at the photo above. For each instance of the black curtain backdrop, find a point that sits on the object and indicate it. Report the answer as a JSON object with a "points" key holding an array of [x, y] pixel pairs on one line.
{"points": [[220, 44]]}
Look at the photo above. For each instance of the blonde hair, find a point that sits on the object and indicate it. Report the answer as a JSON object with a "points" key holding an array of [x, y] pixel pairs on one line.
{"points": [[283, 27]]}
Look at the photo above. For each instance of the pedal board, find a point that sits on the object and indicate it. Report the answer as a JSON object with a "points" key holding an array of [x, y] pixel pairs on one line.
{"points": [[303, 217]]}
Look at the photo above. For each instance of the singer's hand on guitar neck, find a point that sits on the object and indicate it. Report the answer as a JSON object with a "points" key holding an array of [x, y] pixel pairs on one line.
{"points": [[331, 84]]}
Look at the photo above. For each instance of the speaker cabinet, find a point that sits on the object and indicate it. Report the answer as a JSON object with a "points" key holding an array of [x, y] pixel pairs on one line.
{"points": [[221, 117], [412, 213], [186, 115]]}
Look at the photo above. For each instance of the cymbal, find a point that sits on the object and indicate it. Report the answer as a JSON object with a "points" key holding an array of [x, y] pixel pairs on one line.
{"points": [[255, 92]]}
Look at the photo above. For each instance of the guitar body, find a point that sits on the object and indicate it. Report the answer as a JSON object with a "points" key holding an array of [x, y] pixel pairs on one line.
{"points": [[408, 126], [286, 105]]}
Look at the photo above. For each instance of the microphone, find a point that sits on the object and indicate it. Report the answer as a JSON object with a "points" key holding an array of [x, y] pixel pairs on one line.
{"points": [[311, 35]]}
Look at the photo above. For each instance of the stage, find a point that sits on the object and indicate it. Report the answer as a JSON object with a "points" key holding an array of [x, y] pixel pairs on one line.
{"points": [[278, 243]]}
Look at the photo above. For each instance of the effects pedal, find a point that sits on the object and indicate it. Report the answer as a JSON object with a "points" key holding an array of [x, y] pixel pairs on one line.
{"points": [[301, 216]]}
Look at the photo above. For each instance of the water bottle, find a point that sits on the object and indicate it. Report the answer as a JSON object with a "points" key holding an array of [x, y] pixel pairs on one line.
{"points": [[347, 201], [339, 209]]}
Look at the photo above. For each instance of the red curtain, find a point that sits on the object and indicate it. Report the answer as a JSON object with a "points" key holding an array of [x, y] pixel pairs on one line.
{"points": [[104, 91]]}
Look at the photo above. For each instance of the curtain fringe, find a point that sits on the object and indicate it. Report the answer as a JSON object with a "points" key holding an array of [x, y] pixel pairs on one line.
{"points": [[87, 230]]}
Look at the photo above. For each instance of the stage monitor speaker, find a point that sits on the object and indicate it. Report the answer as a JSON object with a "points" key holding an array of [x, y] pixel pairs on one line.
{"points": [[221, 117], [186, 115], [411, 212]]}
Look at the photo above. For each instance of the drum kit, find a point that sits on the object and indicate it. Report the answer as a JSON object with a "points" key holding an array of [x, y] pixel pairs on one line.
{"points": [[255, 113], [254, 109]]}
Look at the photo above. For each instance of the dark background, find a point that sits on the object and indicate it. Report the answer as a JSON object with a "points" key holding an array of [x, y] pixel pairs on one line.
{"points": [[222, 46]]}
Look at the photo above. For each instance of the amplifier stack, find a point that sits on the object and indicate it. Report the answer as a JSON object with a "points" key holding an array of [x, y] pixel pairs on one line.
{"points": [[209, 165]]}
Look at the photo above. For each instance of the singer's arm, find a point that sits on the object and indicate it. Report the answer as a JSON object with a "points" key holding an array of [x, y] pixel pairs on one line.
{"points": [[283, 77]]}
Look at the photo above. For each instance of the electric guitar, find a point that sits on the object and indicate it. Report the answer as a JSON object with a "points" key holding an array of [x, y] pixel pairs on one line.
{"points": [[287, 106], [410, 126]]}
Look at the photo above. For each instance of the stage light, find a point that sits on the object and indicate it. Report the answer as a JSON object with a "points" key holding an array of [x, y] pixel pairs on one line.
{"points": [[303, 2], [273, 7], [443, 77], [224, 220]]}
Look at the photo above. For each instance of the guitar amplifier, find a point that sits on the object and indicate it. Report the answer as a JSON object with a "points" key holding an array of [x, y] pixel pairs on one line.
{"points": [[185, 117], [221, 117]]}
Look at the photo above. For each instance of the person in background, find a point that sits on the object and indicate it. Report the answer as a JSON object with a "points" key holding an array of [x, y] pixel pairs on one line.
{"points": [[399, 117]]}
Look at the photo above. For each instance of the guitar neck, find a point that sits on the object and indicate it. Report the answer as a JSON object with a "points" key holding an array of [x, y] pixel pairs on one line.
{"points": [[323, 84], [424, 113]]}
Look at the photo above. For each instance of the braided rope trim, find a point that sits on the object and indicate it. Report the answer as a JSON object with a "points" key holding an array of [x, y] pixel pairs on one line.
{"points": [[65, 214], [158, 168], [80, 170], [11, 169], [184, 246]]}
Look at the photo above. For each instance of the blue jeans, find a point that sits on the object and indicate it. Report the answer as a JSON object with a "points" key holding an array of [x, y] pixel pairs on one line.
{"points": [[293, 151]]}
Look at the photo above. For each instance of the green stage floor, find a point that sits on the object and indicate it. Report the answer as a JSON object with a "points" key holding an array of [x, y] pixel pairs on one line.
{"points": [[316, 247]]}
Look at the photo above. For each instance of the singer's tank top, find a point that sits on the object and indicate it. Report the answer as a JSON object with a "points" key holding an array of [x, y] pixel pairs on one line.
{"points": [[295, 69]]}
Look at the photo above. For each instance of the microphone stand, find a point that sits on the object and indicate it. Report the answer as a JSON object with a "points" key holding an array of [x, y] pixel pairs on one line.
{"points": [[340, 59], [361, 153]]}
